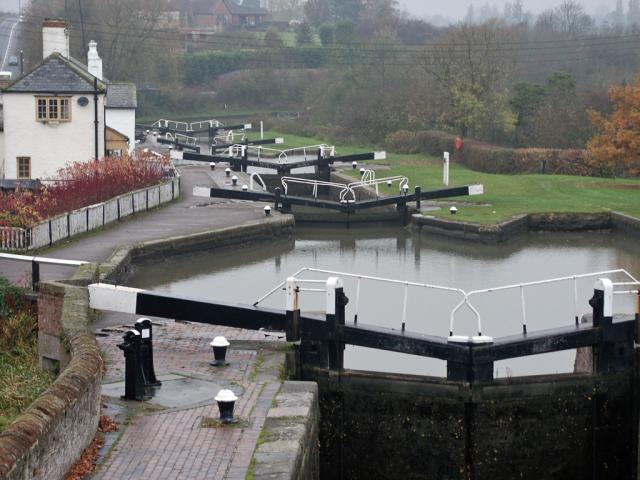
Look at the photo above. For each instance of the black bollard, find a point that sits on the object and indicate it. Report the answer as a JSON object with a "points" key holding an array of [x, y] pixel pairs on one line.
{"points": [[418, 198], [143, 326], [219, 345], [133, 380], [226, 402]]}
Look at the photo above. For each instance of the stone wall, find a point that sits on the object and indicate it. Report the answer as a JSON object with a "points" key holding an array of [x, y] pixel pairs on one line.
{"points": [[538, 222], [288, 445], [553, 427], [45, 441]]}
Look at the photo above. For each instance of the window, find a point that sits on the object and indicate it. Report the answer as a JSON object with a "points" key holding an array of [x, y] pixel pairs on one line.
{"points": [[53, 109], [24, 167]]}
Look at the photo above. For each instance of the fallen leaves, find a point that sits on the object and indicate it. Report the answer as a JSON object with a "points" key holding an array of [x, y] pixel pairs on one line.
{"points": [[87, 462]]}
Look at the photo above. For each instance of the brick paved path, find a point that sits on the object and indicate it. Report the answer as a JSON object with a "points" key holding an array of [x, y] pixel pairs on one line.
{"points": [[172, 444]]}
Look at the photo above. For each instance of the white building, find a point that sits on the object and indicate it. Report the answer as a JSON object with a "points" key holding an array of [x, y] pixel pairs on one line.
{"points": [[58, 112]]}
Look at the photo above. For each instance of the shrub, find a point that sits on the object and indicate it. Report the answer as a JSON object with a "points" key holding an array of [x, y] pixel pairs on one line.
{"points": [[491, 158], [80, 185]]}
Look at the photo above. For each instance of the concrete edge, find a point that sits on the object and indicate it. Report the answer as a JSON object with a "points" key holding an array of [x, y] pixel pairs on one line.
{"points": [[123, 259], [23, 443], [518, 224], [288, 444]]}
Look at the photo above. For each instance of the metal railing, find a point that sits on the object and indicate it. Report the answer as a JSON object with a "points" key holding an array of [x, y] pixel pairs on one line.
{"points": [[344, 189], [251, 181], [37, 261], [180, 138], [371, 181], [467, 296], [359, 279], [521, 288]]}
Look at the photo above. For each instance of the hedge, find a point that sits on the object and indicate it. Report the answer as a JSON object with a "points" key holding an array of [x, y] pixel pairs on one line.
{"points": [[491, 158], [202, 68]]}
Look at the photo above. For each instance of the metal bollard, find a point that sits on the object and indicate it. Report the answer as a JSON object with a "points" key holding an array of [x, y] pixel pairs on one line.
{"points": [[212, 165], [234, 180], [354, 164], [133, 380], [227, 171], [362, 170], [219, 345], [245, 188], [143, 326], [226, 402], [267, 210], [453, 210]]}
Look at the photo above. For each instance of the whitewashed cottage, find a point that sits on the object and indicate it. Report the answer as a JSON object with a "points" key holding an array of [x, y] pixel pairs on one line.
{"points": [[59, 112]]}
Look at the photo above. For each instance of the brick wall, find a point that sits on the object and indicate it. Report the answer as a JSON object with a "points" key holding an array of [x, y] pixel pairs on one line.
{"points": [[45, 441]]}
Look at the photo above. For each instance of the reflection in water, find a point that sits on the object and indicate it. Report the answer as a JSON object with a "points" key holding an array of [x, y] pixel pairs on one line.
{"points": [[243, 275]]}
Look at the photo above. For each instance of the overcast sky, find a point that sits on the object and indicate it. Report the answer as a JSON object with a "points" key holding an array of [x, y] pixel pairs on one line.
{"points": [[458, 8]]}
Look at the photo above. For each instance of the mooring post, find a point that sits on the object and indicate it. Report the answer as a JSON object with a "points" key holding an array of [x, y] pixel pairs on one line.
{"points": [[144, 327], [336, 303], [35, 275], [293, 310], [133, 380], [418, 199]]}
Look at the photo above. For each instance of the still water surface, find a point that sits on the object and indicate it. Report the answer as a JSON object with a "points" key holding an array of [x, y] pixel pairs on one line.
{"points": [[243, 275]]}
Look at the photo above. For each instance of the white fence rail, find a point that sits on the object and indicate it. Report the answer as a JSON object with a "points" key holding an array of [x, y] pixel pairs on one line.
{"points": [[88, 218]]}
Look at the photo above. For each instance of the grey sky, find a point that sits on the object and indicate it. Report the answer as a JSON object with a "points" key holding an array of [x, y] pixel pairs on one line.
{"points": [[458, 8]]}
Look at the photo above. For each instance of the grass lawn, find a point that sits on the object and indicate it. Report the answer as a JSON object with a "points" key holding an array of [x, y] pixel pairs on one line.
{"points": [[505, 195]]}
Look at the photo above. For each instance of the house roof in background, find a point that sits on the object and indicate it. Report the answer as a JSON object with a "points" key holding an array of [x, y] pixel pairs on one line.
{"points": [[121, 95], [236, 9], [56, 74]]}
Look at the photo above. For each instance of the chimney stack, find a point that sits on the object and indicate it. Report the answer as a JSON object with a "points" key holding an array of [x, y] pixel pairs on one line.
{"points": [[55, 37], [94, 62]]}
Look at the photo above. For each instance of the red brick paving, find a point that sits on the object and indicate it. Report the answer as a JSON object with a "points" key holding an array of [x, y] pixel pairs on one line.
{"points": [[172, 444]]}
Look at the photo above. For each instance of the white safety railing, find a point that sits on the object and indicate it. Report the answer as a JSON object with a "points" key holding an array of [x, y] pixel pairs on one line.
{"points": [[359, 279], [184, 139], [521, 287], [467, 296], [281, 155], [172, 124], [257, 176], [344, 189], [205, 124], [371, 181]]}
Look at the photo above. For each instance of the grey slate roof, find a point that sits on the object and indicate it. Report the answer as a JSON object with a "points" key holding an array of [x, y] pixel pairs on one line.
{"points": [[55, 74], [121, 95]]}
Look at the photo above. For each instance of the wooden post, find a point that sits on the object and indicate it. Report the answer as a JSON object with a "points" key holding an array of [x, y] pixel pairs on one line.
{"points": [[336, 303]]}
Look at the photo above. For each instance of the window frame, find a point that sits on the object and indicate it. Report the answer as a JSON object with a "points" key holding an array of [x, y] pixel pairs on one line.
{"points": [[19, 167], [54, 107]]}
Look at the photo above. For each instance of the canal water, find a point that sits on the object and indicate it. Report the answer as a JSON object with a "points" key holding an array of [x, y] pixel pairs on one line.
{"points": [[245, 274]]}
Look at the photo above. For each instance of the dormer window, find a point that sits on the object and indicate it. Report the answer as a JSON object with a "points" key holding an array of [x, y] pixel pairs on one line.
{"points": [[53, 109]]}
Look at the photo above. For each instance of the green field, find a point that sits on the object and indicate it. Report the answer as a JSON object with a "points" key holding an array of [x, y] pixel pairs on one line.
{"points": [[505, 195]]}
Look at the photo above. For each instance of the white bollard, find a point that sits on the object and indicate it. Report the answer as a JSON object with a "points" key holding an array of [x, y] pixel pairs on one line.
{"points": [[234, 180], [267, 210]]}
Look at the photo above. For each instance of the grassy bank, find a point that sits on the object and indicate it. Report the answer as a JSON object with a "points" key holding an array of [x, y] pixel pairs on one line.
{"points": [[21, 380], [506, 195]]}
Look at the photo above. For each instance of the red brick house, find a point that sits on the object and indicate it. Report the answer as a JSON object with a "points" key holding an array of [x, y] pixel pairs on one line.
{"points": [[225, 14]]}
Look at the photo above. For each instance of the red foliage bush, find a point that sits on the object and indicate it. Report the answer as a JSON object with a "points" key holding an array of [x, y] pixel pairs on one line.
{"points": [[80, 185]]}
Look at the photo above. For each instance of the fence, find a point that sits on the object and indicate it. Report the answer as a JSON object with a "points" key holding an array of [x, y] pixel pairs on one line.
{"points": [[89, 218]]}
